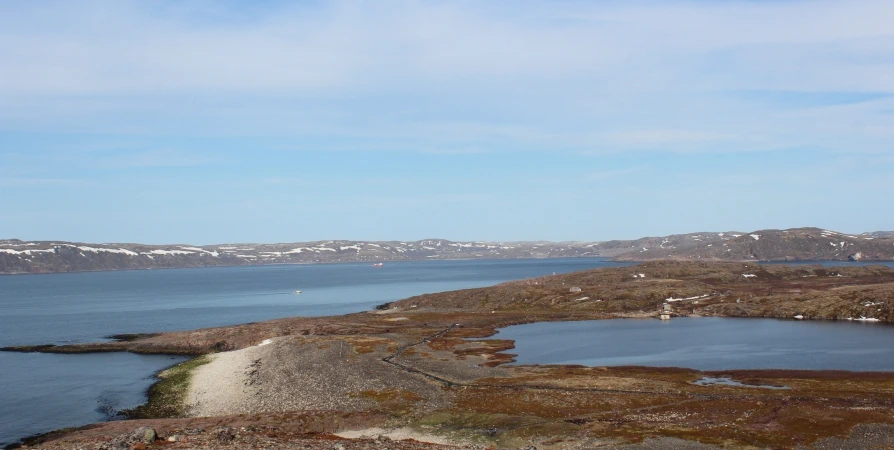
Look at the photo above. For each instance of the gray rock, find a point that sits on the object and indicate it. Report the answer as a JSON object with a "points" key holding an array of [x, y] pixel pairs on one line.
{"points": [[148, 436], [225, 434], [125, 441]]}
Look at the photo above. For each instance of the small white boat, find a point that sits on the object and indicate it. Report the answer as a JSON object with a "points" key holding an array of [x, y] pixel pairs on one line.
{"points": [[378, 264], [297, 291]]}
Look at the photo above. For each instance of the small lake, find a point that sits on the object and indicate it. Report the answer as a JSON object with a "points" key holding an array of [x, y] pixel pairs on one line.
{"points": [[707, 343]]}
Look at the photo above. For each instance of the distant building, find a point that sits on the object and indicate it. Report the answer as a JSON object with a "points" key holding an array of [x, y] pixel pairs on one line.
{"points": [[665, 312]]}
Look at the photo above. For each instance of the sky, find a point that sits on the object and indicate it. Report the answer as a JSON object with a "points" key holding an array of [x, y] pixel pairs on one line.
{"points": [[279, 121]]}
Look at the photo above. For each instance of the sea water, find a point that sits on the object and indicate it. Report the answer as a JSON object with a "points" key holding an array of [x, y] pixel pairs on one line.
{"points": [[44, 392]]}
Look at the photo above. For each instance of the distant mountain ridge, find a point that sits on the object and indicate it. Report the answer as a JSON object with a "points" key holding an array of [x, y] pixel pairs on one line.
{"points": [[54, 256], [775, 245], [796, 244]]}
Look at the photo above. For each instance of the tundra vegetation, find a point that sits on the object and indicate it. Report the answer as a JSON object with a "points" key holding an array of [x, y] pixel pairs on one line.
{"points": [[410, 370]]}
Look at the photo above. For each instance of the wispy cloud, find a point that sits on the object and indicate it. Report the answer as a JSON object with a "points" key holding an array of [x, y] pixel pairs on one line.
{"points": [[610, 174], [803, 99], [290, 181], [449, 77], [26, 182], [244, 106], [458, 150], [157, 158]]}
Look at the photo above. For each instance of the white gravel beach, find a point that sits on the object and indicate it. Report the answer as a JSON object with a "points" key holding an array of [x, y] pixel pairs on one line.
{"points": [[298, 373]]}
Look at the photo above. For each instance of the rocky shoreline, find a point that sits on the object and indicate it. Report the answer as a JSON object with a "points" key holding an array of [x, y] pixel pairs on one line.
{"points": [[408, 370]]}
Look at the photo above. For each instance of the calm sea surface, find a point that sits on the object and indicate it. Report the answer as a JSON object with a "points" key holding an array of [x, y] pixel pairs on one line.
{"points": [[707, 343], [43, 392]]}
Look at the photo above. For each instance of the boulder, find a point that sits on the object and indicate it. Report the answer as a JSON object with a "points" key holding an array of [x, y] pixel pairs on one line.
{"points": [[135, 439], [225, 434], [148, 435]]}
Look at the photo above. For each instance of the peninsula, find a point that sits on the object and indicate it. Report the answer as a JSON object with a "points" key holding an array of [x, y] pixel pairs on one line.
{"points": [[411, 370]]}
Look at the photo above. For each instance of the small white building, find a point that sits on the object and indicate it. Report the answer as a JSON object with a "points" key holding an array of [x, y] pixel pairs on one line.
{"points": [[665, 312]]}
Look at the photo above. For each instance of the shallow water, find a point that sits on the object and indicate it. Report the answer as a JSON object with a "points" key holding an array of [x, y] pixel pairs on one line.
{"points": [[723, 381], [43, 392], [707, 343]]}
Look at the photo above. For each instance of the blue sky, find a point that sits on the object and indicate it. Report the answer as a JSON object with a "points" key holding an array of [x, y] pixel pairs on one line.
{"points": [[209, 122]]}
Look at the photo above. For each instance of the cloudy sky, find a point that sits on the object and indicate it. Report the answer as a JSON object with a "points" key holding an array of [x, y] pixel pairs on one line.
{"points": [[262, 121]]}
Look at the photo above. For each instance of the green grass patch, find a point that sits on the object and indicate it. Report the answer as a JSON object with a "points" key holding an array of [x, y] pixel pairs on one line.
{"points": [[167, 397]]}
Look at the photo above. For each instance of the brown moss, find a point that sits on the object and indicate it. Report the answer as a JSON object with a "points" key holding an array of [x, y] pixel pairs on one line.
{"points": [[553, 404], [396, 402], [363, 345]]}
